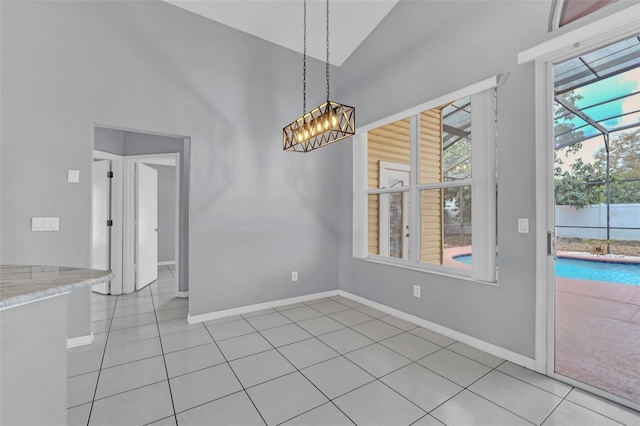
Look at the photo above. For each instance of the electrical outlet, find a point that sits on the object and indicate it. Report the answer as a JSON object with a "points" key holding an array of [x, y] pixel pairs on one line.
{"points": [[294, 276], [416, 291]]}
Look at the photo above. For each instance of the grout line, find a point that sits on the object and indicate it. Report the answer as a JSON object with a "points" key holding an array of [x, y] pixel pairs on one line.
{"points": [[339, 355], [299, 372], [590, 409], [164, 359], [104, 351], [237, 378]]}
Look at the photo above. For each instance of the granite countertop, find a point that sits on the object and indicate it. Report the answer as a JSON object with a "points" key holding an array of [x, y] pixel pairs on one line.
{"points": [[25, 283]]}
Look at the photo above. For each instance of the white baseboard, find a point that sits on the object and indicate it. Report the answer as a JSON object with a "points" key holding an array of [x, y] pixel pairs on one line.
{"points": [[184, 294], [168, 262], [192, 319], [74, 342], [489, 348]]}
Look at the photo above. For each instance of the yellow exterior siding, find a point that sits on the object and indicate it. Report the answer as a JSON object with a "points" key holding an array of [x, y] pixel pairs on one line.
{"points": [[391, 143], [431, 223], [387, 143]]}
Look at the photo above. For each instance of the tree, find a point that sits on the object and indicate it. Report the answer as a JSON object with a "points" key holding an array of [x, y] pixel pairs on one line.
{"points": [[585, 184], [579, 187], [457, 165]]}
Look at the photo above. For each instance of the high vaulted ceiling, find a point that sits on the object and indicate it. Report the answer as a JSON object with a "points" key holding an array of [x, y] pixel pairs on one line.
{"points": [[280, 22]]}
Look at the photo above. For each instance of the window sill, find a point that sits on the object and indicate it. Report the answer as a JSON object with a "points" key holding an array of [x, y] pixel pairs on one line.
{"points": [[463, 275]]}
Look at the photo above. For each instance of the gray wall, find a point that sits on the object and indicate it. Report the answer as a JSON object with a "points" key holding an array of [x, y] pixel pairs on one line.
{"points": [[256, 212], [166, 212], [423, 50], [109, 140], [33, 363]]}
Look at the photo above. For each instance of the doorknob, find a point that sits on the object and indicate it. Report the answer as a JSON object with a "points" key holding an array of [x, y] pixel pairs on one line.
{"points": [[157, 229]]}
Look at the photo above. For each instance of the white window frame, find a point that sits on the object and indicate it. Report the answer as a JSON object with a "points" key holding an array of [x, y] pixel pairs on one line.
{"points": [[483, 186]]}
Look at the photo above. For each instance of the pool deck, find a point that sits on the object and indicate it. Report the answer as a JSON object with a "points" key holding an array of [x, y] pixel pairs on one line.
{"points": [[598, 335], [597, 330]]}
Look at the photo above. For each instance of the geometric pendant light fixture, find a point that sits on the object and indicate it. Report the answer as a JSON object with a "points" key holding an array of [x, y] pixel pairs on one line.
{"points": [[323, 125]]}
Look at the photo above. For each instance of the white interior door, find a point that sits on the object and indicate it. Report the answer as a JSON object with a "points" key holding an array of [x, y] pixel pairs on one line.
{"points": [[101, 213], [147, 225]]}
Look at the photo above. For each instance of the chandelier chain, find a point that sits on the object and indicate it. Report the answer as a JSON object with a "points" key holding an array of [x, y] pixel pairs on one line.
{"points": [[304, 63], [327, 63]]}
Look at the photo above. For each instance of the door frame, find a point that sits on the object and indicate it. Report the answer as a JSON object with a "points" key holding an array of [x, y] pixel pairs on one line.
{"points": [[609, 29], [128, 247], [116, 216], [401, 171]]}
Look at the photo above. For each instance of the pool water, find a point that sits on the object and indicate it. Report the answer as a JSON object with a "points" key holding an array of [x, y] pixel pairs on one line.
{"points": [[624, 273]]}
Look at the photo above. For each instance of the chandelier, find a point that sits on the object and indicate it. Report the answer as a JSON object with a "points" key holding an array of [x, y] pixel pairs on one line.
{"points": [[323, 125]]}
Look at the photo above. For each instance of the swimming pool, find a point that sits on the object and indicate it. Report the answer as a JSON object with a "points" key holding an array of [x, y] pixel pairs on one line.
{"points": [[624, 273]]}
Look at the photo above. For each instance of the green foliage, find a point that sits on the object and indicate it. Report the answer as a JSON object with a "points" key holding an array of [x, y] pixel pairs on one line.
{"points": [[456, 166], [585, 184]]}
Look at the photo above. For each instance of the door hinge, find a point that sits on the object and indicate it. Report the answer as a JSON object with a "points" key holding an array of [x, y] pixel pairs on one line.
{"points": [[109, 174], [109, 223], [551, 243]]}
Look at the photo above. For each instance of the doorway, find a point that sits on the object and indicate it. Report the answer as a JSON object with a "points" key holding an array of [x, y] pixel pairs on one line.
{"points": [[148, 208], [597, 203], [106, 228], [587, 328], [147, 182]]}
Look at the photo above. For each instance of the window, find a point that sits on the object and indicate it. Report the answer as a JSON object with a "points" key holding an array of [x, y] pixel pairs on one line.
{"points": [[430, 188]]}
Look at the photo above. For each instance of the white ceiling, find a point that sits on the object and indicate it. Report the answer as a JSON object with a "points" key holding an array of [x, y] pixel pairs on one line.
{"points": [[280, 22]]}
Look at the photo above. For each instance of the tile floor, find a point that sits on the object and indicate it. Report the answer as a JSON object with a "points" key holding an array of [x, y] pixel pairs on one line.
{"points": [[324, 362]]}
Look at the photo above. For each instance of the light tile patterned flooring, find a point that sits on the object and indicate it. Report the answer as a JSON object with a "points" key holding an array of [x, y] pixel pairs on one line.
{"points": [[325, 362]]}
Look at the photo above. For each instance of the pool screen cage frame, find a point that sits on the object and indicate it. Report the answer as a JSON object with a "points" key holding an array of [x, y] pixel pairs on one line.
{"points": [[581, 71]]}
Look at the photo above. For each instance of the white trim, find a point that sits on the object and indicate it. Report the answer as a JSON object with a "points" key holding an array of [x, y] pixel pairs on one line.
{"points": [[414, 194], [604, 31], [74, 342], [117, 186], [433, 103], [483, 186], [557, 13], [445, 271], [612, 27], [171, 162], [151, 158], [193, 319], [489, 348], [128, 230], [359, 195], [183, 294], [168, 262], [544, 324], [597, 391]]}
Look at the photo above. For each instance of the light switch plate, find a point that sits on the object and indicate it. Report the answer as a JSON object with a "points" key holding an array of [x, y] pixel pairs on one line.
{"points": [[45, 223], [523, 225], [73, 176]]}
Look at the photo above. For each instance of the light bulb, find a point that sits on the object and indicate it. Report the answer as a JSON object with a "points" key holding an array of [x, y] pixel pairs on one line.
{"points": [[319, 125], [326, 121], [334, 118]]}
